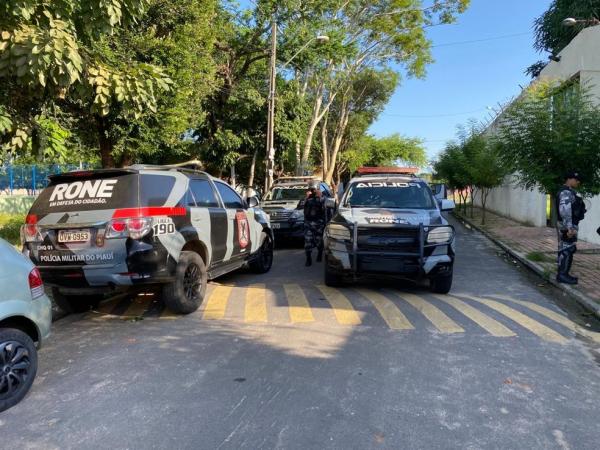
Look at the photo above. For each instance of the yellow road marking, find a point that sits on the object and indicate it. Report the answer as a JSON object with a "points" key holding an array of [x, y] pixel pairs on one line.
{"points": [[546, 333], [342, 308], [299, 307], [388, 311], [138, 306], [558, 318], [217, 303], [167, 314], [256, 305], [439, 320], [490, 325]]}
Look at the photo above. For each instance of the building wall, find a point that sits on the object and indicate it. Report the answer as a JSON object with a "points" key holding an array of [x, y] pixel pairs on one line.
{"points": [[581, 57]]}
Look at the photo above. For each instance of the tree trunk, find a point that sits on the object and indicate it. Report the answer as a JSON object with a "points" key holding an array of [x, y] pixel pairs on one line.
{"points": [[314, 121], [341, 130], [484, 196], [106, 146], [325, 147], [252, 170]]}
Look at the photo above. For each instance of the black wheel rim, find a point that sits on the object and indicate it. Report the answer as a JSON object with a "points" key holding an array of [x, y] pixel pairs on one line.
{"points": [[192, 282], [267, 253], [14, 368]]}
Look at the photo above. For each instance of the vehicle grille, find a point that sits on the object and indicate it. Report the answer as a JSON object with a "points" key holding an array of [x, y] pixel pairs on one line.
{"points": [[278, 215], [404, 240]]}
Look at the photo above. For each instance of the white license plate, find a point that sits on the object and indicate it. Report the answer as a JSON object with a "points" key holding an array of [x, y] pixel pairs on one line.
{"points": [[275, 225], [70, 236]]}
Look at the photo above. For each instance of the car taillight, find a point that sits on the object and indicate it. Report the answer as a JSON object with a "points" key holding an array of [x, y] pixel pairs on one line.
{"points": [[135, 228], [30, 232], [36, 285]]}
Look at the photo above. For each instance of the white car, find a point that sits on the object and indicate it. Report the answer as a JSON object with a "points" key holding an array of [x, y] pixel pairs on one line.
{"points": [[25, 317]]}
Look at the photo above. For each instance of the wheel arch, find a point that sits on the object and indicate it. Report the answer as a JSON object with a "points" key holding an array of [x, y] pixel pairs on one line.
{"points": [[199, 247], [23, 324]]}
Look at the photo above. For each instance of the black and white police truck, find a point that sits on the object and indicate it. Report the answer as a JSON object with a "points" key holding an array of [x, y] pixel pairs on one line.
{"points": [[285, 205], [90, 232], [389, 224]]}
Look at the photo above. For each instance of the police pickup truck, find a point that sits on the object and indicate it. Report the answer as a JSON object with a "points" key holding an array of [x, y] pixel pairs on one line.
{"points": [[389, 224], [285, 205], [90, 232]]}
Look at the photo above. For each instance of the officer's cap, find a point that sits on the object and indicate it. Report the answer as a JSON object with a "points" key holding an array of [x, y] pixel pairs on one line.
{"points": [[313, 184], [574, 175]]}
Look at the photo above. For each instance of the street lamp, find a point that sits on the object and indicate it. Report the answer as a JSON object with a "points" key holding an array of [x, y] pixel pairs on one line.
{"points": [[271, 106], [571, 22]]}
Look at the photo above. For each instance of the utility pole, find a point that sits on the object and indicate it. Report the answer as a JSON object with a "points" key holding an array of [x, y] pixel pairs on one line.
{"points": [[271, 109]]}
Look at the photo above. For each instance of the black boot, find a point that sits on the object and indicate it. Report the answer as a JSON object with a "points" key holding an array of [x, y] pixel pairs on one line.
{"points": [[563, 269], [569, 265], [308, 258], [320, 255]]}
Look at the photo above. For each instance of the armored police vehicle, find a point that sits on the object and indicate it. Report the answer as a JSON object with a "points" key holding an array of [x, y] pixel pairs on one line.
{"points": [[389, 224], [285, 205], [90, 232]]}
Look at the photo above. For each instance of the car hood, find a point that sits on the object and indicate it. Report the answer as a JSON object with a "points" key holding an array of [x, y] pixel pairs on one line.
{"points": [[276, 204], [384, 216]]}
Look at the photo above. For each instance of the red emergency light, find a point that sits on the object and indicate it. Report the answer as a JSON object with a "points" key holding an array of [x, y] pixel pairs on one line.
{"points": [[387, 170]]}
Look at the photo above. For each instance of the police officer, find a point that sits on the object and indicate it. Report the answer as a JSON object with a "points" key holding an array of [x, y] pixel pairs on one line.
{"points": [[571, 210], [314, 221]]}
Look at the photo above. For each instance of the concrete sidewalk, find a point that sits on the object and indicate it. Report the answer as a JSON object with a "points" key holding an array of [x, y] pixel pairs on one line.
{"points": [[536, 247]]}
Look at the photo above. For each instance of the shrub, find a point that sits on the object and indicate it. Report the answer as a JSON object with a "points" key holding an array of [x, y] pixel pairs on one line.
{"points": [[10, 226]]}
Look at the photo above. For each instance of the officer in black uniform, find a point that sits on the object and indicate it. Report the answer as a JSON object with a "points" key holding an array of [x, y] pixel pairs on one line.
{"points": [[314, 221], [571, 210]]}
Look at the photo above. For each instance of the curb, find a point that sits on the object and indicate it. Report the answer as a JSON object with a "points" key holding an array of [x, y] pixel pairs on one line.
{"points": [[586, 302]]}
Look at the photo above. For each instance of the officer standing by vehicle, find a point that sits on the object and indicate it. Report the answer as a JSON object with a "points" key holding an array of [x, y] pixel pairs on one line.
{"points": [[571, 210], [314, 221]]}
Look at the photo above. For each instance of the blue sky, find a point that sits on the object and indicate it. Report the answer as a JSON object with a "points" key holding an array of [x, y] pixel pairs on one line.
{"points": [[467, 78]]}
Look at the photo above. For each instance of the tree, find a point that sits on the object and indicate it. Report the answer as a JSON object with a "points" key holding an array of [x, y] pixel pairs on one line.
{"points": [[56, 51], [551, 129], [451, 167], [551, 35]]}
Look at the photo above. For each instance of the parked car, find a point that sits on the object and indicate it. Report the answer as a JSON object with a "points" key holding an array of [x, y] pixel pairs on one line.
{"points": [[389, 224], [285, 205], [25, 316], [92, 232]]}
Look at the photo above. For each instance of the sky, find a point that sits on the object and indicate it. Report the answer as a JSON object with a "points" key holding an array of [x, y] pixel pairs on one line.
{"points": [[466, 79]]}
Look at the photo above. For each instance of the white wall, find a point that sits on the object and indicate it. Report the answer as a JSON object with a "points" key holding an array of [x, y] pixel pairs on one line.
{"points": [[581, 57], [511, 201]]}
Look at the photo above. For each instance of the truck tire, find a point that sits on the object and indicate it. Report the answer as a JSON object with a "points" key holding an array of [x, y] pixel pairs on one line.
{"points": [[264, 257], [186, 293], [18, 358], [332, 279], [75, 303], [441, 284]]}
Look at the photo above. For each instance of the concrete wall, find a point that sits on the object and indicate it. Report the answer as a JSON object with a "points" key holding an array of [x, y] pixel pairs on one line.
{"points": [[511, 201], [587, 228]]}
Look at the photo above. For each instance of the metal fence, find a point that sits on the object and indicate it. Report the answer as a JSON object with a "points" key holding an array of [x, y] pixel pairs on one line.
{"points": [[30, 179]]}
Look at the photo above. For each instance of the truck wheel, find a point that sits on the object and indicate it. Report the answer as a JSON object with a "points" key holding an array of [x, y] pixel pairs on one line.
{"points": [[332, 279], [264, 257], [186, 293], [75, 303], [18, 366], [441, 284]]}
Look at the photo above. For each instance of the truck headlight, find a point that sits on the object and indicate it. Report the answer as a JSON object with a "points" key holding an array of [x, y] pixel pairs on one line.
{"points": [[440, 235], [339, 232], [297, 214]]}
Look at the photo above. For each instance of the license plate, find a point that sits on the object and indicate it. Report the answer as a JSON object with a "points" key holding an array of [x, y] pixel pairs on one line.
{"points": [[71, 236], [275, 225]]}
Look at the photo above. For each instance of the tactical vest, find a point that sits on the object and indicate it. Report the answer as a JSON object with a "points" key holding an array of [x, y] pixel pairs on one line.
{"points": [[577, 208], [313, 209]]}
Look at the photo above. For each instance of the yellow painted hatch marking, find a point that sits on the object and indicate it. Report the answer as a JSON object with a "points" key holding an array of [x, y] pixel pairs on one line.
{"points": [[256, 305], [388, 311], [546, 333], [217, 303], [439, 320], [342, 308], [556, 317], [299, 307], [490, 325]]}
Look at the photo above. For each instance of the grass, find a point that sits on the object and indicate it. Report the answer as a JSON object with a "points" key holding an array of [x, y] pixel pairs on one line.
{"points": [[10, 226], [539, 257]]}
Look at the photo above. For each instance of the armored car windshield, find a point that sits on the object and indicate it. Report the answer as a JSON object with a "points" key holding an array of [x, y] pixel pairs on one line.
{"points": [[389, 194], [283, 193]]}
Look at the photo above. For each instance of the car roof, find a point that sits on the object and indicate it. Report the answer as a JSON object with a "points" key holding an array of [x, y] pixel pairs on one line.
{"points": [[379, 178], [137, 168]]}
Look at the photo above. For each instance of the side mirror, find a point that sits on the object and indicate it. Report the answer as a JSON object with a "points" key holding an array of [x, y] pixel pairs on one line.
{"points": [[447, 205], [440, 191], [252, 202], [330, 203]]}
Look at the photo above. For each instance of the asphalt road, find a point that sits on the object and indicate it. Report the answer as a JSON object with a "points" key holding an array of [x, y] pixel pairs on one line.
{"points": [[278, 361]]}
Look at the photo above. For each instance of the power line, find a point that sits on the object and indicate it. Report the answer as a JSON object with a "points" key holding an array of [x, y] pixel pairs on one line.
{"points": [[432, 116], [494, 38]]}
